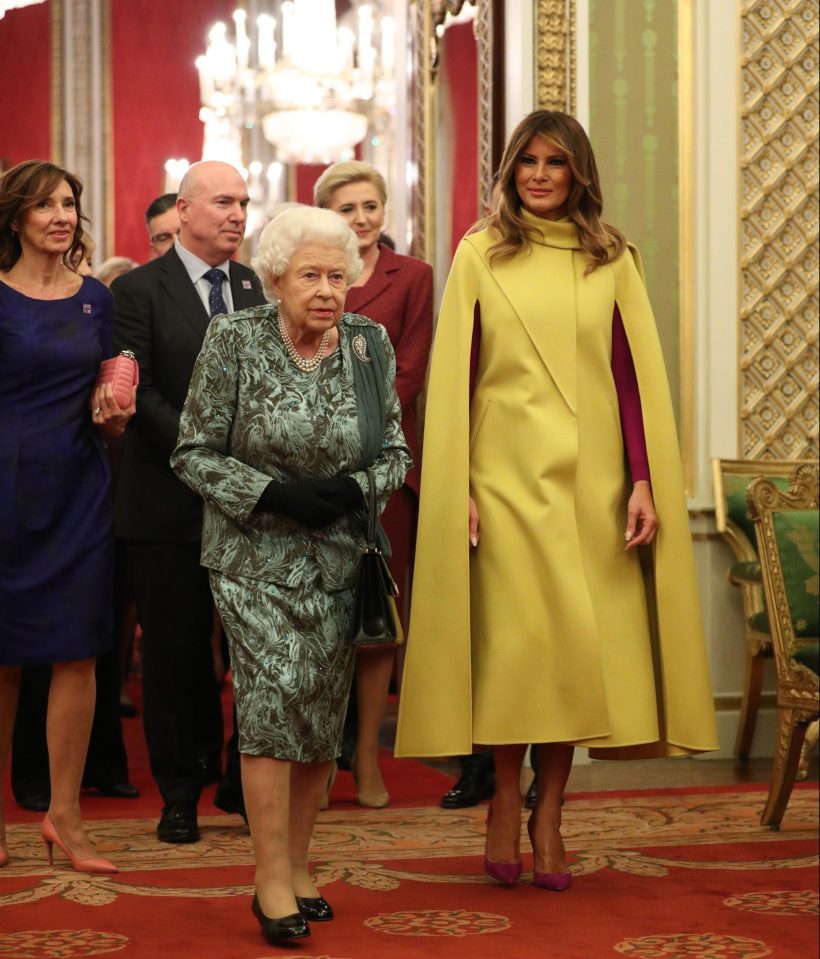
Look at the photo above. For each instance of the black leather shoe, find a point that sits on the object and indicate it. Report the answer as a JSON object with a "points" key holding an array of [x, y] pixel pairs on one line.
{"points": [[345, 757], [229, 798], [532, 793], [36, 802], [280, 930], [474, 784], [178, 823], [317, 910], [210, 769], [123, 790], [531, 799]]}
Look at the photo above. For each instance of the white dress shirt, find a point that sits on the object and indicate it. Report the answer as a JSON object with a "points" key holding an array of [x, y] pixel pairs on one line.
{"points": [[197, 269]]}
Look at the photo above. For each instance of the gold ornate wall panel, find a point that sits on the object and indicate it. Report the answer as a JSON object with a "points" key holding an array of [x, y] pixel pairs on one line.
{"points": [[555, 55], [427, 18], [640, 119], [484, 28], [81, 107], [423, 103], [778, 414], [56, 19]]}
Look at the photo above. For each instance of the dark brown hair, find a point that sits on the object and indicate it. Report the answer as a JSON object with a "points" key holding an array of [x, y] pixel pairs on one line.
{"points": [[598, 240], [23, 187]]}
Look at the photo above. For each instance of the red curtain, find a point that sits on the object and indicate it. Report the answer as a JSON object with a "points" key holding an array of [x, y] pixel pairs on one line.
{"points": [[25, 82], [155, 92]]}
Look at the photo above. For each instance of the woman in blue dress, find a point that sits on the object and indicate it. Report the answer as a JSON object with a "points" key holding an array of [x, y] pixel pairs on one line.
{"points": [[56, 544]]}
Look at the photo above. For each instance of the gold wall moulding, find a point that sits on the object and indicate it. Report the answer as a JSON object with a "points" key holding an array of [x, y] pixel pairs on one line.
{"points": [[439, 9], [428, 19], [555, 55], [778, 408]]}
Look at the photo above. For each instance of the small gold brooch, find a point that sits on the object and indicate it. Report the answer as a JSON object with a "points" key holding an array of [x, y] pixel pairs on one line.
{"points": [[360, 348]]}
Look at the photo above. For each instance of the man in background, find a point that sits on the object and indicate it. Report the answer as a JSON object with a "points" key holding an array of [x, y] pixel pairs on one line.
{"points": [[163, 224], [161, 313]]}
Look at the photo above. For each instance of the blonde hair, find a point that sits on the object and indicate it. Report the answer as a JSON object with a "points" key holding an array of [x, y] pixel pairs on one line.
{"points": [[599, 241], [114, 266], [341, 174], [295, 228]]}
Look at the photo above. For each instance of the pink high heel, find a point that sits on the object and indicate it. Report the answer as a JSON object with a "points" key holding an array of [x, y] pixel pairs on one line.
{"points": [[554, 881], [95, 865], [507, 873]]}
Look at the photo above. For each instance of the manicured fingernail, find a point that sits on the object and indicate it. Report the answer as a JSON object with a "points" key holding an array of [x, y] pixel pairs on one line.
{"points": [[627, 536], [473, 541]]}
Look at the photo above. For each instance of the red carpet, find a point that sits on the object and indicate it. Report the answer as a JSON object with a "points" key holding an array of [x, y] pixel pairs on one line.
{"points": [[657, 875]]}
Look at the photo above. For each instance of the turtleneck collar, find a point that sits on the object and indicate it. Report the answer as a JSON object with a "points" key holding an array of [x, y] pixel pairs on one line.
{"points": [[560, 233]]}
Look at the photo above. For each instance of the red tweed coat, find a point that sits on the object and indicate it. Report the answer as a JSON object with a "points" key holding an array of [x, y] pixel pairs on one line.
{"points": [[399, 295]]}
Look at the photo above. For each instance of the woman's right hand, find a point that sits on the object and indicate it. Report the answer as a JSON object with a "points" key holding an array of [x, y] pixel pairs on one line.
{"points": [[473, 522], [106, 414]]}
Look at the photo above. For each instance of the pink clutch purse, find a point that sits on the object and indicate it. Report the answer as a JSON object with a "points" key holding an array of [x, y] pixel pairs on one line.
{"points": [[123, 373]]}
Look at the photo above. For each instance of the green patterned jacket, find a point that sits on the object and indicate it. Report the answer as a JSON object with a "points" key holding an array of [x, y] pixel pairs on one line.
{"points": [[250, 416]]}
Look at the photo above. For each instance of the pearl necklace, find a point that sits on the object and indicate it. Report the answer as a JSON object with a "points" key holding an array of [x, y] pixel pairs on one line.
{"points": [[305, 365]]}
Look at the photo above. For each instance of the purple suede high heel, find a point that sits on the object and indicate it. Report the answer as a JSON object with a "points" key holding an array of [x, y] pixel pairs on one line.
{"points": [[554, 881], [507, 873]]}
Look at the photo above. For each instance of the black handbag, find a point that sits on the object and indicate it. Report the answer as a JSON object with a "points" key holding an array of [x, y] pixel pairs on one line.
{"points": [[375, 617]]}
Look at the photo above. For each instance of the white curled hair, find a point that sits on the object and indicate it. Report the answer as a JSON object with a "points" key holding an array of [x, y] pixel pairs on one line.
{"points": [[287, 233]]}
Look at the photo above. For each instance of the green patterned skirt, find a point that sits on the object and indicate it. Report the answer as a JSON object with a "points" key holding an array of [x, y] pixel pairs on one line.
{"points": [[292, 665]]}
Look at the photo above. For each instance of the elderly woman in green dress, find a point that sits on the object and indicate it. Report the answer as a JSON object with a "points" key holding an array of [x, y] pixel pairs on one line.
{"points": [[288, 406]]}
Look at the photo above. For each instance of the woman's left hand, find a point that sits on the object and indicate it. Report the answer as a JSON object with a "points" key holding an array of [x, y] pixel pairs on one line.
{"points": [[641, 518], [109, 418]]}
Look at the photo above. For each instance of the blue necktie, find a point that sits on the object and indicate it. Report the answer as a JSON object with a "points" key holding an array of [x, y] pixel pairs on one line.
{"points": [[216, 302]]}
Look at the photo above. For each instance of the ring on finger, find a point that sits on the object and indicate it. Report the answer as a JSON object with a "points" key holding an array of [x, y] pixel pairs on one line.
{"points": [[97, 411]]}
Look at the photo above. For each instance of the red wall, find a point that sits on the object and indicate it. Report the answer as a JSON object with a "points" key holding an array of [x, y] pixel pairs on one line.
{"points": [[25, 85], [460, 59], [155, 88], [306, 176]]}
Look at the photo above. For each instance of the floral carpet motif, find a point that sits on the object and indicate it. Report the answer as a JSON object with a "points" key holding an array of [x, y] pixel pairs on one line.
{"points": [[803, 902], [437, 922], [407, 882], [381, 849], [698, 947], [60, 944]]}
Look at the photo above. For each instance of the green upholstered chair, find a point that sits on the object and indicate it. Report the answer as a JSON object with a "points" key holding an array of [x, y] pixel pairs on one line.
{"points": [[735, 524], [787, 526]]}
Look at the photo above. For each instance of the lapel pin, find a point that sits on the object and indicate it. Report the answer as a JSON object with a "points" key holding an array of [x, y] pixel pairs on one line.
{"points": [[86, 307], [246, 284]]}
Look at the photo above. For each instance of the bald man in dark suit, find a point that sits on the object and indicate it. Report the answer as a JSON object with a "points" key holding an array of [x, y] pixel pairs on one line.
{"points": [[161, 313]]}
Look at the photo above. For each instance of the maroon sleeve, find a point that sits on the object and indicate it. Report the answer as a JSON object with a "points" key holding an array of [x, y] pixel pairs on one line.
{"points": [[474, 348], [629, 401], [413, 343]]}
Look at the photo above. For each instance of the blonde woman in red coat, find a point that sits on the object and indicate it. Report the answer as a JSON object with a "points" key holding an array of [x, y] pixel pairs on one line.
{"points": [[396, 291]]}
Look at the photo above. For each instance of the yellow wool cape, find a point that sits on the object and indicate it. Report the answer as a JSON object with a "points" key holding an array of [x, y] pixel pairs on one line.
{"points": [[549, 631]]}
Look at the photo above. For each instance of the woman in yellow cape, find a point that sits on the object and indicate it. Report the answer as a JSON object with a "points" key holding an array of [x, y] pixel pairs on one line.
{"points": [[532, 619]]}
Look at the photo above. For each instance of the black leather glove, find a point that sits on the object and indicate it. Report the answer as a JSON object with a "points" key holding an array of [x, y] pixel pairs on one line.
{"points": [[301, 501], [341, 491]]}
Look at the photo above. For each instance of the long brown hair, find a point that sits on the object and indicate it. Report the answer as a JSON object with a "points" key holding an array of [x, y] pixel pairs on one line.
{"points": [[598, 240], [23, 187]]}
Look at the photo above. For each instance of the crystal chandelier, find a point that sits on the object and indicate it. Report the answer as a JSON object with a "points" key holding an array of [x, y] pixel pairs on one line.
{"points": [[313, 86]]}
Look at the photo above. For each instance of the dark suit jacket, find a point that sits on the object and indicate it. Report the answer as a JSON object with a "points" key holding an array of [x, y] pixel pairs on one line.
{"points": [[399, 295], [158, 314]]}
